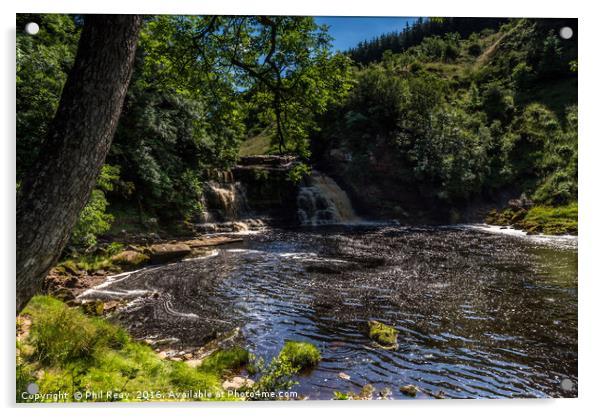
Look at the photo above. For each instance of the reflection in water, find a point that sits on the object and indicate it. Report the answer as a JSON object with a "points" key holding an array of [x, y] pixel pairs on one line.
{"points": [[479, 314]]}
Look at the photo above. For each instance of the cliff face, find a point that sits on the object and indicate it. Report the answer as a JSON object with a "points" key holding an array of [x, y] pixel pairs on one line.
{"points": [[269, 192], [375, 185]]}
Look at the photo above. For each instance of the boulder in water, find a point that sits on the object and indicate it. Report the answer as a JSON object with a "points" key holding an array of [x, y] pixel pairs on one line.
{"points": [[409, 390], [163, 253], [384, 335]]}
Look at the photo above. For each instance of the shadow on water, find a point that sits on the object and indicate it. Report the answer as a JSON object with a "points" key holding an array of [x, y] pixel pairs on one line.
{"points": [[478, 314]]}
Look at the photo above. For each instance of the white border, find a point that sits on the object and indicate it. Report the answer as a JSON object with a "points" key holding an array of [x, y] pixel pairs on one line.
{"points": [[589, 158]]}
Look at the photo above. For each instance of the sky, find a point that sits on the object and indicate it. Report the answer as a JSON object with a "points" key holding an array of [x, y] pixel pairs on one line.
{"points": [[349, 31]]}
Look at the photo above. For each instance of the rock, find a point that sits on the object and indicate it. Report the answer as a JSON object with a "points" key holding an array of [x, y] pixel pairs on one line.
{"points": [[344, 376], [384, 335], [130, 258], [341, 155], [71, 282], [213, 241], [93, 308], [63, 294], [366, 392], [163, 253], [409, 390], [237, 383], [385, 394]]}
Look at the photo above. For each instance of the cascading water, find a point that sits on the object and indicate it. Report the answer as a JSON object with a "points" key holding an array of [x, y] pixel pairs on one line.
{"points": [[226, 206], [323, 202]]}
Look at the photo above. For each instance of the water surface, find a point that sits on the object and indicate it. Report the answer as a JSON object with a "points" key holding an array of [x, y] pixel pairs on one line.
{"points": [[479, 313]]}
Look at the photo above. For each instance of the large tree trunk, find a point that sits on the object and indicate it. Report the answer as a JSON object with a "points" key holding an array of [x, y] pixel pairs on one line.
{"points": [[54, 192]]}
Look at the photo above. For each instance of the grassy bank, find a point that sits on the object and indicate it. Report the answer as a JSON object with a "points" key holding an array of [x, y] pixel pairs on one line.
{"points": [[539, 219], [63, 350]]}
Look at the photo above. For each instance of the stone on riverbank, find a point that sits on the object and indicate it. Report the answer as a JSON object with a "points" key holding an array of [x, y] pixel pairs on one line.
{"points": [[237, 383], [211, 241], [163, 253], [130, 258]]}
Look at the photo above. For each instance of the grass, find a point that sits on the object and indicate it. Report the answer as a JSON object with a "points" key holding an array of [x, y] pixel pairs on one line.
{"points": [[91, 262], [68, 351], [383, 334], [223, 361], [552, 220], [257, 145], [301, 355], [539, 219]]}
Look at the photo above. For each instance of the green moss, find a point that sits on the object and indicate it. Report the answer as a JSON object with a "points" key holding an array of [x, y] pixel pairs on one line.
{"points": [[69, 351], [552, 220], [222, 361], [383, 334], [302, 355], [539, 219], [130, 258]]}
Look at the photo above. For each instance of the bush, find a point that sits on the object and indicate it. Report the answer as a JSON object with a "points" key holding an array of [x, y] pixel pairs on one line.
{"points": [[93, 219]]}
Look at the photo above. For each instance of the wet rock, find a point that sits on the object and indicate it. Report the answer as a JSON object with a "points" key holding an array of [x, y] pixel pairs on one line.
{"points": [[385, 394], [384, 335], [237, 383], [409, 390], [344, 376], [163, 253], [210, 242], [365, 393], [163, 341], [130, 258]]}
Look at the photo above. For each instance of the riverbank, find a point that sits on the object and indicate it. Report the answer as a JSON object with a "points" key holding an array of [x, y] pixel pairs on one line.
{"points": [[538, 219], [71, 356], [81, 271]]}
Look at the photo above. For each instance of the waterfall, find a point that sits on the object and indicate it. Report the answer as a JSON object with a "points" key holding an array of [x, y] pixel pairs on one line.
{"points": [[322, 202], [226, 206]]}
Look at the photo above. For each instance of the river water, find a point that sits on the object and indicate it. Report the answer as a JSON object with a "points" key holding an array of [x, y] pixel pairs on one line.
{"points": [[480, 313]]}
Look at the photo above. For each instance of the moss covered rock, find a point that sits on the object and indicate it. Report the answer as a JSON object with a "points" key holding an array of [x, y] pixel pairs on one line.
{"points": [[384, 335], [130, 258]]}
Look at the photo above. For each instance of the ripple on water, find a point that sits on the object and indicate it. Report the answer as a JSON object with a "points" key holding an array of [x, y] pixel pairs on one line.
{"points": [[471, 304]]}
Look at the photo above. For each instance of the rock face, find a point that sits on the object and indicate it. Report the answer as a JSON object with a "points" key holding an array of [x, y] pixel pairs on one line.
{"points": [[374, 182], [269, 192], [163, 253]]}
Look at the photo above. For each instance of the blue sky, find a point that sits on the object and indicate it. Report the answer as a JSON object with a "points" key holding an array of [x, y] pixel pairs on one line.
{"points": [[349, 31]]}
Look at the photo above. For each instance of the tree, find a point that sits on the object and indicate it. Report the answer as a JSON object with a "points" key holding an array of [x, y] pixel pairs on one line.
{"points": [[282, 65], [53, 193]]}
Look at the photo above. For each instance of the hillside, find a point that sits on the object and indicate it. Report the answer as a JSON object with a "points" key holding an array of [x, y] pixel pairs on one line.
{"points": [[458, 122]]}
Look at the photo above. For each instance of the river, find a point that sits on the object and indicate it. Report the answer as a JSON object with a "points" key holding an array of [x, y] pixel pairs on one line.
{"points": [[481, 312]]}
